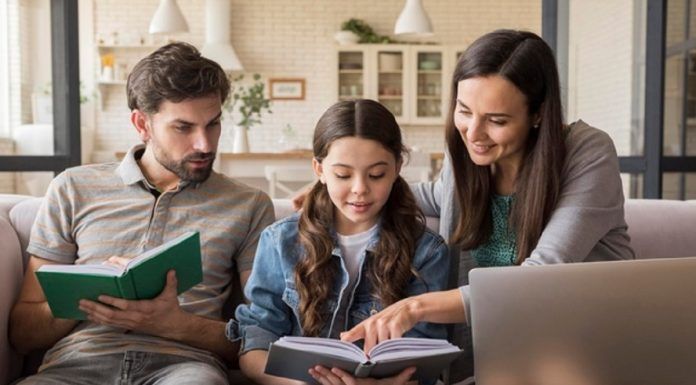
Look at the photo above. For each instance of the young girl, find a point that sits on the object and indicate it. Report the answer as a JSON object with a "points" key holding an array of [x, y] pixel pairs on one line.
{"points": [[359, 244]]}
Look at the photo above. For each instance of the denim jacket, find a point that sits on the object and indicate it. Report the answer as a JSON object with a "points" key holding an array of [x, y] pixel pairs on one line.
{"points": [[273, 310]]}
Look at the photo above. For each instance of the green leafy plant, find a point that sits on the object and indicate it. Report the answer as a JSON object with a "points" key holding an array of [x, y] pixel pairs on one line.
{"points": [[248, 100], [364, 31], [47, 89]]}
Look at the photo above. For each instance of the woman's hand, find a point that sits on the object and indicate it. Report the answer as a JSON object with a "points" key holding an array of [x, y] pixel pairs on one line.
{"points": [[389, 323], [298, 199], [337, 376], [398, 318]]}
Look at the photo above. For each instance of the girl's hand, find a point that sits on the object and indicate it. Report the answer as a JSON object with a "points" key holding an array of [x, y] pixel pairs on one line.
{"points": [[337, 376]]}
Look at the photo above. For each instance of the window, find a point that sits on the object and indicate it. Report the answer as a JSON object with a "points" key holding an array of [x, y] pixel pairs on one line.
{"points": [[4, 68], [601, 55], [612, 65], [31, 16], [679, 128]]}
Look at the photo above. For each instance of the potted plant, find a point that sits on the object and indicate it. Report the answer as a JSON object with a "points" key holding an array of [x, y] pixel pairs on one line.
{"points": [[248, 103], [363, 31]]}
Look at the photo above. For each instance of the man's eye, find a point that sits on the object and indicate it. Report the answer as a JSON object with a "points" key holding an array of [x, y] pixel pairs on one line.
{"points": [[498, 122]]}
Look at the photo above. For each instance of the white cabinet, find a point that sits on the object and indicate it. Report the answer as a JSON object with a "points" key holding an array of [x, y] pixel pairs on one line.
{"points": [[412, 81]]}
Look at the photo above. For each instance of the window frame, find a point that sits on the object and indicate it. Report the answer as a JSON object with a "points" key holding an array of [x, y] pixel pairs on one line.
{"points": [[652, 164], [66, 96]]}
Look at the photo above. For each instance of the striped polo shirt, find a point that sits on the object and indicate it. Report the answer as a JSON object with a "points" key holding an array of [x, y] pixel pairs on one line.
{"points": [[93, 212]]}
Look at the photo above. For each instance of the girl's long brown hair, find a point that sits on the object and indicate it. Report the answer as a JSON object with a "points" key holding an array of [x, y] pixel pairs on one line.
{"points": [[402, 223], [525, 60]]}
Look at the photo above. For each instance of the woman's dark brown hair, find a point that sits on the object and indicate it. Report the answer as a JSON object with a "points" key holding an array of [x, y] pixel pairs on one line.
{"points": [[525, 60], [174, 72], [402, 223]]}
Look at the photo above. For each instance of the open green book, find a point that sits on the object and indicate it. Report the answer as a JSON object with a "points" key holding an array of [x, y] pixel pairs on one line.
{"points": [[291, 357], [143, 277]]}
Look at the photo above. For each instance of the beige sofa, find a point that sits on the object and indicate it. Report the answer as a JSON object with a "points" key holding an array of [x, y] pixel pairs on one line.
{"points": [[658, 228]]}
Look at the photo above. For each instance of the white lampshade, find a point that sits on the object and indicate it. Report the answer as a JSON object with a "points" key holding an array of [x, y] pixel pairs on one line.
{"points": [[168, 19], [224, 55], [218, 46], [413, 20]]}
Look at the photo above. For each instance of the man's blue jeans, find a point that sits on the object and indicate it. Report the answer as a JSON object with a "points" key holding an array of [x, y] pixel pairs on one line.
{"points": [[130, 368]]}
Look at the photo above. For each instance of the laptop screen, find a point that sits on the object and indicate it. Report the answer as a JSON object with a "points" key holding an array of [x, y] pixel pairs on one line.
{"points": [[624, 322]]}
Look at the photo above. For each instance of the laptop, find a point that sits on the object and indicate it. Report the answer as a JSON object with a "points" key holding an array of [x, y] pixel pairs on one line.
{"points": [[595, 323]]}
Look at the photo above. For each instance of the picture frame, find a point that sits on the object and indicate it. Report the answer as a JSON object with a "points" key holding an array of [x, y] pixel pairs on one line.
{"points": [[286, 89]]}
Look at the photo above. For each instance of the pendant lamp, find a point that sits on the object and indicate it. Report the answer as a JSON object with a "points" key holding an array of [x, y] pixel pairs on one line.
{"points": [[168, 19], [413, 20]]}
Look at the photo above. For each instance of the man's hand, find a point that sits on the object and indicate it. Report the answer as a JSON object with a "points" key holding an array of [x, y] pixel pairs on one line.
{"points": [[337, 376], [159, 316], [31, 323]]}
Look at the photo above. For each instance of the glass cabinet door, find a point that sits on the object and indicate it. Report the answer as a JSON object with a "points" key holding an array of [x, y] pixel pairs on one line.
{"points": [[390, 81], [429, 85], [351, 75]]}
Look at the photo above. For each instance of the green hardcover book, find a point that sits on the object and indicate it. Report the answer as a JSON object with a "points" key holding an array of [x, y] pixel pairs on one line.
{"points": [[143, 277]]}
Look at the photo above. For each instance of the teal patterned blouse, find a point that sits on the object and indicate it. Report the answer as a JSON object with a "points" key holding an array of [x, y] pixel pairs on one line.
{"points": [[501, 248]]}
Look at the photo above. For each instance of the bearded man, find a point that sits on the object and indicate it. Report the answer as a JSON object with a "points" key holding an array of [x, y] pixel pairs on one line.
{"points": [[113, 212]]}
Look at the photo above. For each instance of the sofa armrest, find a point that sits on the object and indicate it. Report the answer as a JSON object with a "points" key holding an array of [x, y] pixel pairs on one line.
{"points": [[11, 273]]}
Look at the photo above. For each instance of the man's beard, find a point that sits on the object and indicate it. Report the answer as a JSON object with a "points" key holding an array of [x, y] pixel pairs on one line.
{"points": [[181, 170]]}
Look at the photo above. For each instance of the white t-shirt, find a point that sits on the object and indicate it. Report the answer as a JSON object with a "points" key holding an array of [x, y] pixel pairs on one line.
{"points": [[352, 248]]}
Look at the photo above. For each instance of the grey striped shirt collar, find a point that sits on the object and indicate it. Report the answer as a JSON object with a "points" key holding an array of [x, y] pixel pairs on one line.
{"points": [[130, 171]]}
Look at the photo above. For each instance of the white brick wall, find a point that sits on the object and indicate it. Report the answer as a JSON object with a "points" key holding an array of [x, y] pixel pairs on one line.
{"points": [[294, 38]]}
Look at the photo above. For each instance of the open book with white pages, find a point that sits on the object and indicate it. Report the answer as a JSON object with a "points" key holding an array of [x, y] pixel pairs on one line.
{"points": [[291, 357]]}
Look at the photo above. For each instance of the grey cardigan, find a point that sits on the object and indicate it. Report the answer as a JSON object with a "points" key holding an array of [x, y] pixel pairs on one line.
{"points": [[588, 223]]}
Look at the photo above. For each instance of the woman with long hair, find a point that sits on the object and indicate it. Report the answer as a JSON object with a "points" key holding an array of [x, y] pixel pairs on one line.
{"points": [[359, 244], [518, 186]]}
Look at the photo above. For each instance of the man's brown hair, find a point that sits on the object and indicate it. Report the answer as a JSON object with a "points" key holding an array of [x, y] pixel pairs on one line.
{"points": [[174, 72]]}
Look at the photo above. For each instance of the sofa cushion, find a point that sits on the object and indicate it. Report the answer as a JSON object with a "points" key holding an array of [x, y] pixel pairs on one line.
{"points": [[8, 201], [22, 218], [10, 283], [661, 228]]}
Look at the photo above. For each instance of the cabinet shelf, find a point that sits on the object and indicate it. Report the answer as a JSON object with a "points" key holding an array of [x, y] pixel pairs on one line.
{"points": [[409, 79], [429, 97], [126, 46], [112, 83]]}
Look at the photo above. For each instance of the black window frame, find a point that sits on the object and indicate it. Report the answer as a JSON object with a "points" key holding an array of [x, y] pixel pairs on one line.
{"points": [[66, 96], [653, 163]]}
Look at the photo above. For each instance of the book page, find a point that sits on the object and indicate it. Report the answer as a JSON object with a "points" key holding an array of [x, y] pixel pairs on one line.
{"points": [[157, 250], [327, 346], [410, 347], [94, 269]]}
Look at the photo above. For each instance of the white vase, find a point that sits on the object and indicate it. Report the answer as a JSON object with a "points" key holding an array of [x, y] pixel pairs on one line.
{"points": [[241, 140], [346, 37]]}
